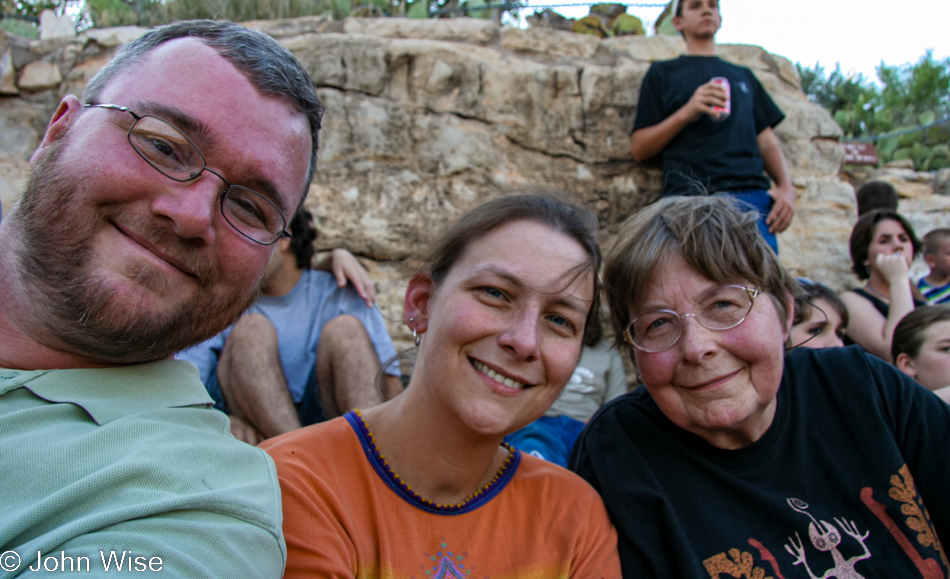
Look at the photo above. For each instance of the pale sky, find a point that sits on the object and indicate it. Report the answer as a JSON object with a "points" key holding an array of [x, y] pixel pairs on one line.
{"points": [[857, 34]]}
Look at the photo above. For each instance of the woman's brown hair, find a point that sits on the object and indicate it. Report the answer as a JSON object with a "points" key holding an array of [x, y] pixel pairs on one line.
{"points": [[863, 234], [548, 209]]}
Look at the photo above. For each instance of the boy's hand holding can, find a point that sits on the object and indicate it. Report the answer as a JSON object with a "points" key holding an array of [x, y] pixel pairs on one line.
{"points": [[726, 110]]}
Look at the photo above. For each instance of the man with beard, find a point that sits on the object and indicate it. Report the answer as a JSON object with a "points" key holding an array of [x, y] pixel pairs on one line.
{"points": [[146, 226]]}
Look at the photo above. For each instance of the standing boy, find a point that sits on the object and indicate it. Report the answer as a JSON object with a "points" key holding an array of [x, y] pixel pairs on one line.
{"points": [[711, 140], [935, 286]]}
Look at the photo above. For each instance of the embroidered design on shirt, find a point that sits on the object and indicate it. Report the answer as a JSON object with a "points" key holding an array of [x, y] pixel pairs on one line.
{"points": [[825, 537], [446, 564]]}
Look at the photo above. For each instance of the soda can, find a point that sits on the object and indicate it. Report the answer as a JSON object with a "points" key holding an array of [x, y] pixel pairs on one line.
{"points": [[725, 111]]}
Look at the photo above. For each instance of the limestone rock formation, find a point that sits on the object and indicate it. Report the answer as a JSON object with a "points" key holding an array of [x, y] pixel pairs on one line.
{"points": [[7, 74], [435, 127], [39, 75], [53, 26], [428, 118], [942, 182]]}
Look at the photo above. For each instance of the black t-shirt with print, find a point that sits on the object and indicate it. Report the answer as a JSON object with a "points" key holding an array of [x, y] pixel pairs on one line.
{"points": [[850, 477]]}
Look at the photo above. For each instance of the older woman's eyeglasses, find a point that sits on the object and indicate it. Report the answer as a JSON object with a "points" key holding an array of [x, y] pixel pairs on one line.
{"points": [[721, 308], [170, 152]]}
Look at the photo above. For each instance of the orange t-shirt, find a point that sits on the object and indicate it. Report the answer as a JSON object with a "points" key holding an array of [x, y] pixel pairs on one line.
{"points": [[346, 516]]}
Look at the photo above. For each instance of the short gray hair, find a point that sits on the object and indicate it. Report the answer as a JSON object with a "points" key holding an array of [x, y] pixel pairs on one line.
{"points": [[712, 234], [270, 67]]}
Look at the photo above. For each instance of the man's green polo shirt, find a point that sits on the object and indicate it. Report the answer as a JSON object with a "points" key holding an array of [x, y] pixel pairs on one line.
{"points": [[131, 460]]}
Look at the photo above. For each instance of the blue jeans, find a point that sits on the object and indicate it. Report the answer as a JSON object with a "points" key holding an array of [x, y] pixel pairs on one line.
{"points": [[549, 437], [762, 202]]}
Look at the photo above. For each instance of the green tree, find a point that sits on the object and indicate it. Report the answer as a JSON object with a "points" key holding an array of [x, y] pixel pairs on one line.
{"points": [[853, 101], [20, 16], [30, 8], [911, 91], [905, 98]]}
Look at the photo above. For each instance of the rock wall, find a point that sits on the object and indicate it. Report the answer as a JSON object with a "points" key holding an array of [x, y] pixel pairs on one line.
{"points": [[428, 118]]}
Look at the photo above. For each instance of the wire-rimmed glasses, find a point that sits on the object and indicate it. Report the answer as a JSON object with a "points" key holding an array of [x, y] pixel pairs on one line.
{"points": [[721, 308], [170, 152]]}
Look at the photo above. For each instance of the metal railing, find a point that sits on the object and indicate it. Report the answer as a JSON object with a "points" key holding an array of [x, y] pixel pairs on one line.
{"points": [[907, 131]]}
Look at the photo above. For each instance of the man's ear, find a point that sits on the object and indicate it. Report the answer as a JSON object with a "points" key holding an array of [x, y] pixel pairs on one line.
{"points": [[416, 305], [930, 259], [905, 364], [283, 244], [678, 23], [66, 114]]}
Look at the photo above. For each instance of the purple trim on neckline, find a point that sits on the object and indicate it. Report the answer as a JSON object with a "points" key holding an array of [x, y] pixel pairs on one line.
{"points": [[393, 481]]}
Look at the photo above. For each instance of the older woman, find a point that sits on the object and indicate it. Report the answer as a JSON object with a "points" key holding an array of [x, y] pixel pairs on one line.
{"points": [[738, 460], [422, 485]]}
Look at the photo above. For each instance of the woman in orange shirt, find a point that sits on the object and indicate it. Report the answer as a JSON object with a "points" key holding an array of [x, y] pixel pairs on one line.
{"points": [[422, 485]]}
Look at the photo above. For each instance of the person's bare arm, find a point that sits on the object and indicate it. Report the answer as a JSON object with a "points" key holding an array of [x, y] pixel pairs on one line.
{"points": [[783, 193], [895, 270], [867, 325], [649, 141], [868, 328], [346, 268]]}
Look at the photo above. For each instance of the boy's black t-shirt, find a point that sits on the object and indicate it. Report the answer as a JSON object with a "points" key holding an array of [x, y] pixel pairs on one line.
{"points": [[708, 156]]}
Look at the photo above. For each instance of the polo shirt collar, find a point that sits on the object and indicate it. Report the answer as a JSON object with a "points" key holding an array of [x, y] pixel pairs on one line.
{"points": [[110, 393]]}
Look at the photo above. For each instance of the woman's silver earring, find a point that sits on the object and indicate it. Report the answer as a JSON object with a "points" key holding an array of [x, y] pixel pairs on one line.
{"points": [[415, 337]]}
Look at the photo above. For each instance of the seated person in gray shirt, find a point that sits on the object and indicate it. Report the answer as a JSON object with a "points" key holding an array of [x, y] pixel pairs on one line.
{"points": [[309, 349]]}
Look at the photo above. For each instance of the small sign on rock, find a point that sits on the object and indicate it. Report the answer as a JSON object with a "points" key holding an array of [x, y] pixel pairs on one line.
{"points": [[860, 154]]}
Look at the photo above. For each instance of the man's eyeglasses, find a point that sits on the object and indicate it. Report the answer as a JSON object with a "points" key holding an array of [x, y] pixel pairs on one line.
{"points": [[173, 154], [721, 308]]}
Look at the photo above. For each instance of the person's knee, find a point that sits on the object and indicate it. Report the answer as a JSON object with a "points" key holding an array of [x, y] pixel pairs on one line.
{"points": [[344, 330], [345, 346], [253, 326]]}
